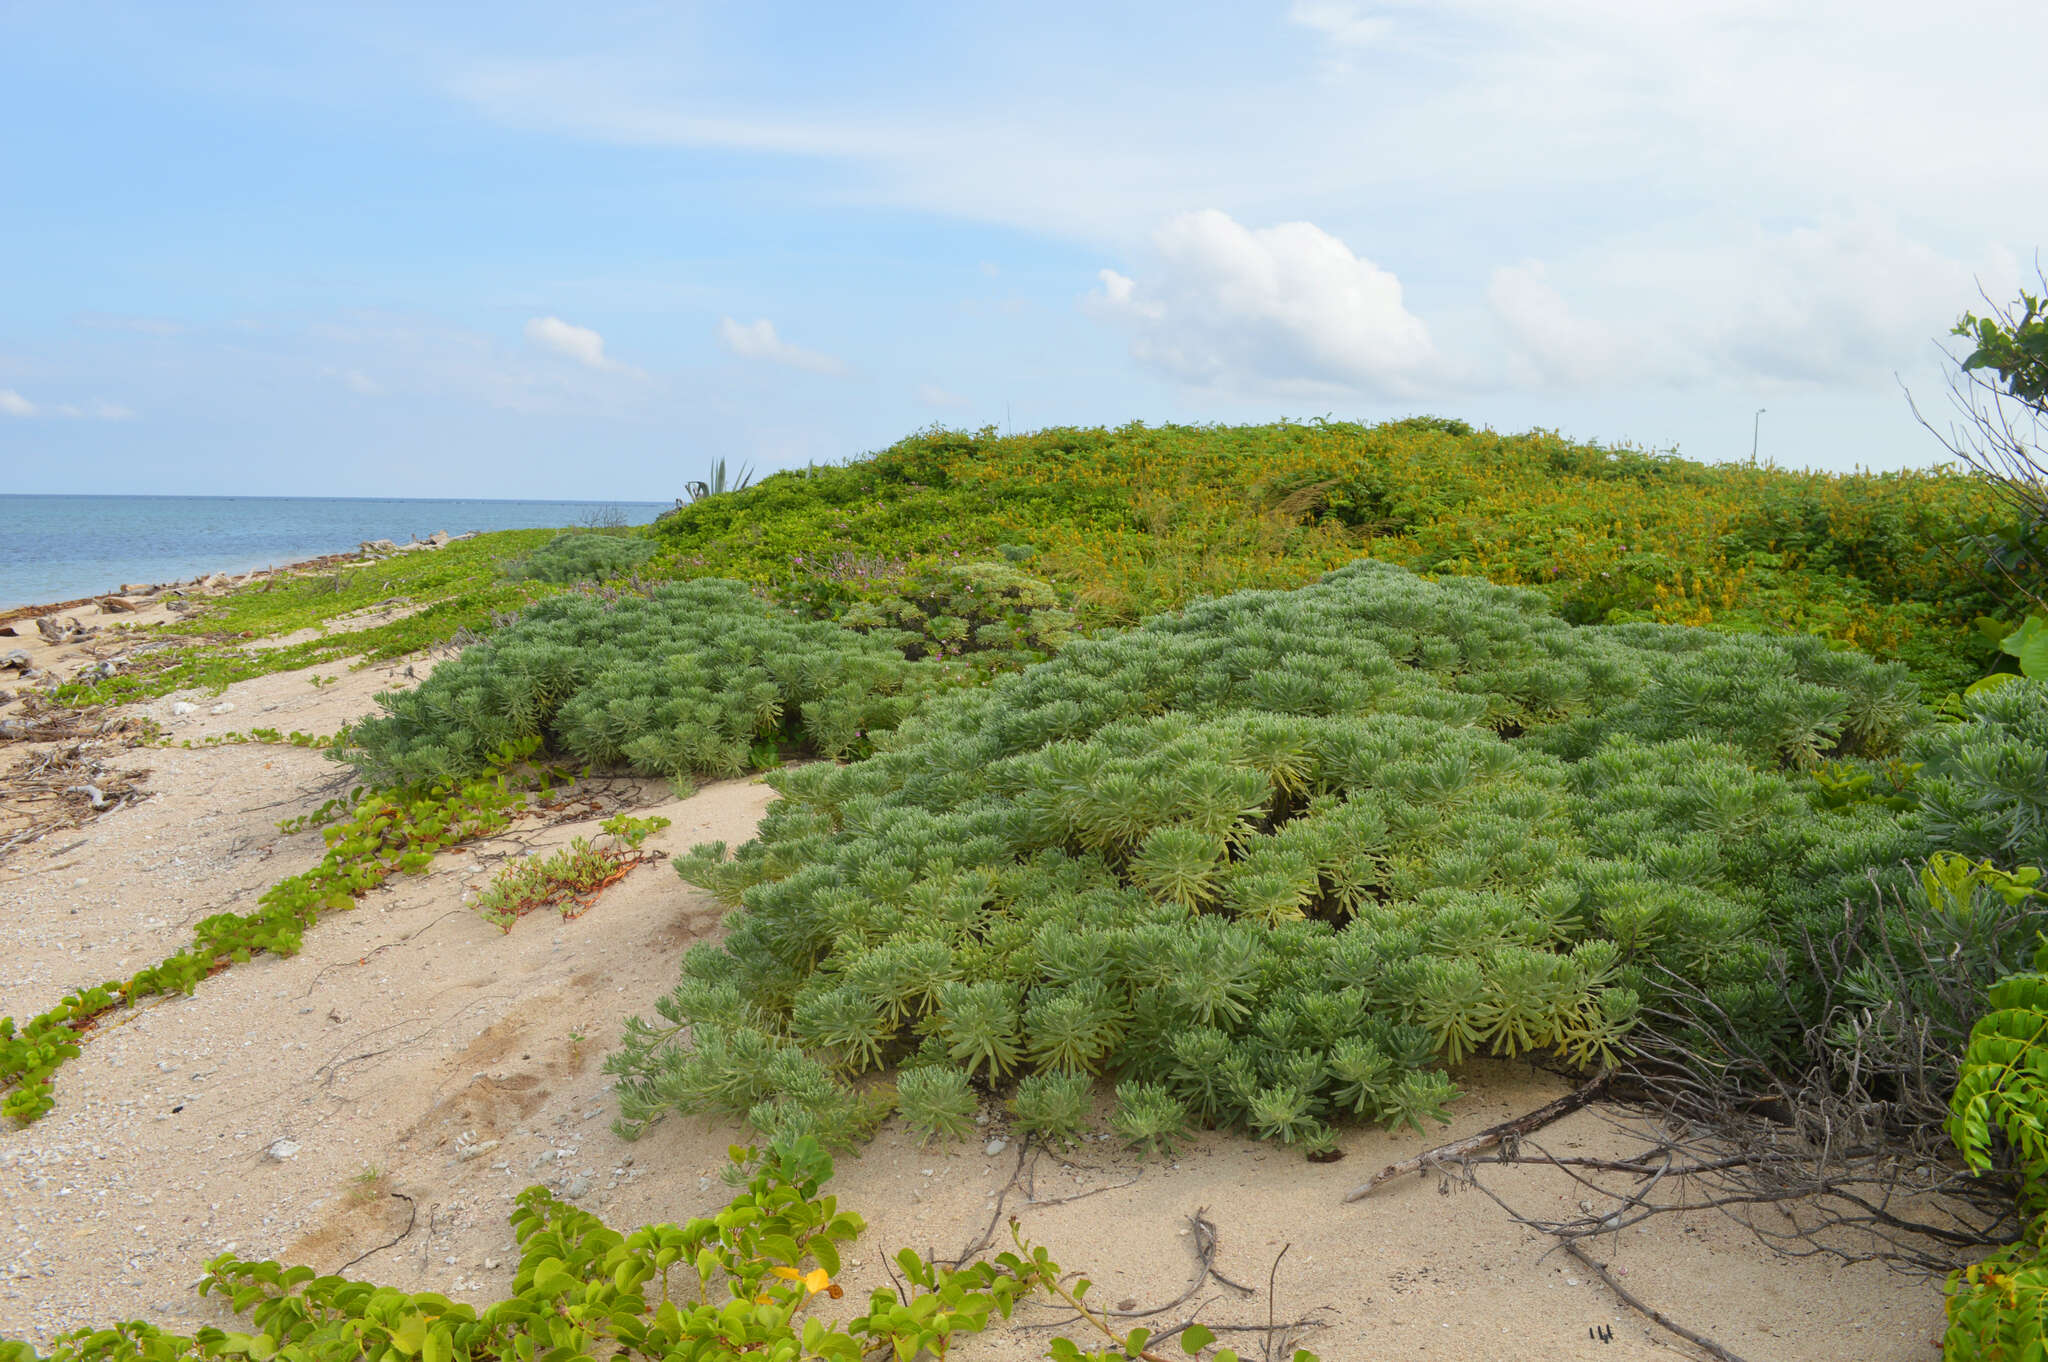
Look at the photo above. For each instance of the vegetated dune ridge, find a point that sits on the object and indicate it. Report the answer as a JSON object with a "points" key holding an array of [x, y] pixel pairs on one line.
{"points": [[340, 1108]]}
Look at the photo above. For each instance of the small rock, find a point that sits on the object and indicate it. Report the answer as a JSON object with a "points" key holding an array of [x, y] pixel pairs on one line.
{"points": [[1127, 1303], [224, 707], [180, 708], [996, 1147], [18, 659], [281, 1149], [468, 1152], [576, 1188]]}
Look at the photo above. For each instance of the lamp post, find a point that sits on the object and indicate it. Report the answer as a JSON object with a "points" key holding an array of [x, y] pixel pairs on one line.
{"points": [[1755, 426]]}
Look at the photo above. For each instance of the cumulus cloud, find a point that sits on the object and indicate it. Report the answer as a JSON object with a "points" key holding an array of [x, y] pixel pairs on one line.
{"points": [[757, 340], [579, 343], [1284, 308], [14, 404]]}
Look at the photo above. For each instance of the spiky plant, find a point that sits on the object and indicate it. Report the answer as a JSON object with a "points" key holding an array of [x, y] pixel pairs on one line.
{"points": [[977, 1023], [1149, 1116], [1179, 865], [1054, 1107], [935, 1100], [1073, 1030]]}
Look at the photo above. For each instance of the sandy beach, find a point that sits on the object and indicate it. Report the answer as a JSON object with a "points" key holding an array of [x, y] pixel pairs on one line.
{"points": [[373, 1103]]}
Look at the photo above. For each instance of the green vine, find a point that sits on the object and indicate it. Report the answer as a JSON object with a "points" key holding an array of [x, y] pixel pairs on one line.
{"points": [[752, 1280], [1998, 1309]]}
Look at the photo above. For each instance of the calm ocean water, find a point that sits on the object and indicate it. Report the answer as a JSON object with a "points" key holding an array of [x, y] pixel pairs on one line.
{"points": [[57, 548]]}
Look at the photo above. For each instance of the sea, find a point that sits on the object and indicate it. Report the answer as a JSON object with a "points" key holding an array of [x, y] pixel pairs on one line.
{"points": [[60, 548]]}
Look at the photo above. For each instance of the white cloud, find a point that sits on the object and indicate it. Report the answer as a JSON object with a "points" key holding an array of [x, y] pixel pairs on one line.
{"points": [[1347, 25], [147, 326], [579, 343], [1840, 303], [757, 340], [12, 403], [1285, 308], [416, 356], [355, 380], [1550, 345], [932, 395]]}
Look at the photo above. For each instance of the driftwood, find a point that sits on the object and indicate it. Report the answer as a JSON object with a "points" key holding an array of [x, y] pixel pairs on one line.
{"points": [[1485, 1139]]}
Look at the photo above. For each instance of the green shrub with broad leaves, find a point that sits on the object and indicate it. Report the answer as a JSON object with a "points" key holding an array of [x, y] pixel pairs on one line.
{"points": [[582, 557], [754, 1279], [1139, 518], [1275, 862], [692, 679], [1998, 1309]]}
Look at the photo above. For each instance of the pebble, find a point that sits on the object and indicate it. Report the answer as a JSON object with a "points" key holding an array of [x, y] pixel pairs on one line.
{"points": [[180, 708], [224, 707], [281, 1149], [996, 1146]]}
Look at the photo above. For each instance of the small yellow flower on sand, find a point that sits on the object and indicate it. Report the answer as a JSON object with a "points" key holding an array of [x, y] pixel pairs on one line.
{"points": [[814, 1281]]}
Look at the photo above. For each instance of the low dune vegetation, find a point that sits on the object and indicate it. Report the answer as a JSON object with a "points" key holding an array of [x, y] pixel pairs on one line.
{"points": [[1254, 779]]}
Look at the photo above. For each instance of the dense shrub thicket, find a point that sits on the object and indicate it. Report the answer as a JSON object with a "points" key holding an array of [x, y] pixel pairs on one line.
{"points": [[688, 680], [1273, 860], [582, 557], [1983, 785], [1139, 519]]}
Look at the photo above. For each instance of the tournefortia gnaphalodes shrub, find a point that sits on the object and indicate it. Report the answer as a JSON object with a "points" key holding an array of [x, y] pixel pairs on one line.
{"points": [[1276, 863], [756, 1279]]}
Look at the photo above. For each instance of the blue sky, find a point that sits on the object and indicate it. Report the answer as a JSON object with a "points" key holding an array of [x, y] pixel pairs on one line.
{"points": [[580, 251]]}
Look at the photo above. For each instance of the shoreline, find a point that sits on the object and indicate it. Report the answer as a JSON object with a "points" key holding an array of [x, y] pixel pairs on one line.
{"points": [[43, 646], [12, 613], [236, 576]]}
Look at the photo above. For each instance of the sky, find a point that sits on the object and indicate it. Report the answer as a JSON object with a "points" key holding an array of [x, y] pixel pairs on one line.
{"points": [[543, 250]]}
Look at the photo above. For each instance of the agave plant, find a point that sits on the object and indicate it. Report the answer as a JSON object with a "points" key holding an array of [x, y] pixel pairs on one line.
{"points": [[716, 484]]}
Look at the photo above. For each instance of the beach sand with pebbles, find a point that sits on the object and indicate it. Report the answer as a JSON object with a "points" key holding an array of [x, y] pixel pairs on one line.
{"points": [[374, 1103]]}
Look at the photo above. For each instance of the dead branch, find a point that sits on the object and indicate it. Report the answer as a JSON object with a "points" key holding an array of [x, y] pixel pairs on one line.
{"points": [[1649, 1312], [412, 1214], [1507, 1132]]}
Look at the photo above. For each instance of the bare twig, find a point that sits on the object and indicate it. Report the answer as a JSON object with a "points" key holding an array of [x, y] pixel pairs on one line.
{"points": [[412, 1214], [1649, 1312], [1507, 1132]]}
